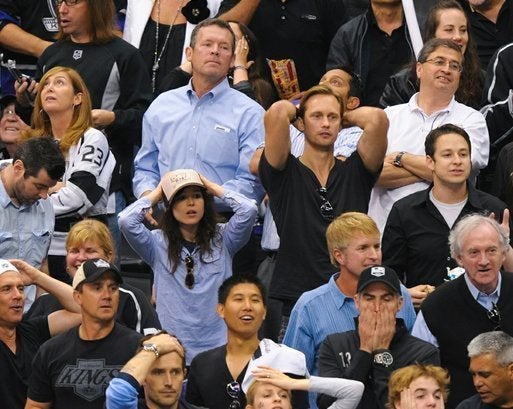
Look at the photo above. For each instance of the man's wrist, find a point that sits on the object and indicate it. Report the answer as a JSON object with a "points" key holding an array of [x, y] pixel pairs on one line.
{"points": [[398, 161]]}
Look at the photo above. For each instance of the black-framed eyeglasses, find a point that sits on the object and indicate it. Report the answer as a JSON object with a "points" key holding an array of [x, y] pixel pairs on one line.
{"points": [[233, 390], [494, 315], [443, 62], [189, 276], [67, 2], [326, 207]]}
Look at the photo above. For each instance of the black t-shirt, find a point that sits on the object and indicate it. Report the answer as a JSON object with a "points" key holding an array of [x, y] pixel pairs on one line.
{"points": [[74, 373], [303, 261], [15, 369]]}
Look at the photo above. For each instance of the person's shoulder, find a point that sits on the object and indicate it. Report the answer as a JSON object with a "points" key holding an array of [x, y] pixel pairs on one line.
{"points": [[412, 199], [340, 337], [183, 404], [122, 45], [93, 134], [351, 25], [55, 344], [213, 353], [309, 298], [474, 402]]}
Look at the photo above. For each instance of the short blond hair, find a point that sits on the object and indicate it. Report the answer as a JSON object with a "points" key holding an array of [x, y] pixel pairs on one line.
{"points": [[91, 230], [251, 392], [345, 227], [403, 377]]}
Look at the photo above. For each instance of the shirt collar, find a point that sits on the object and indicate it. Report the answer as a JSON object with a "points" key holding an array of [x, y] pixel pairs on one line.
{"points": [[484, 299], [338, 296], [412, 103], [212, 94]]}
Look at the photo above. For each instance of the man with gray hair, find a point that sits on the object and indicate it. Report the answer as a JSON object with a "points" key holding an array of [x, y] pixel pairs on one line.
{"points": [[475, 302], [491, 367]]}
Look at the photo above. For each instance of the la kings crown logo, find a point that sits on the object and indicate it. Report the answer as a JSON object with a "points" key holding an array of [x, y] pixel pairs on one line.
{"points": [[89, 378], [51, 23]]}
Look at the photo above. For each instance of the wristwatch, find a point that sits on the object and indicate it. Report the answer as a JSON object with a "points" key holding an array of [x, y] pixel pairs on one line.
{"points": [[398, 159], [384, 358], [151, 348]]}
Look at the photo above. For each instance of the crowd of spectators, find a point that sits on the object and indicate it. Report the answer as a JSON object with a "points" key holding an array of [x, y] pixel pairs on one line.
{"points": [[322, 197]]}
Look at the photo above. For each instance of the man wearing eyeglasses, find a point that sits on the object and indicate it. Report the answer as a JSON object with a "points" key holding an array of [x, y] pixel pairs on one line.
{"points": [[491, 367], [477, 301], [405, 170], [308, 192]]}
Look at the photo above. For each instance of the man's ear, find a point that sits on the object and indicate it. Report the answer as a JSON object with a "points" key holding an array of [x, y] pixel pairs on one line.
{"points": [[352, 103], [220, 310], [339, 256], [19, 168], [188, 53], [430, 162], [299, 124]]}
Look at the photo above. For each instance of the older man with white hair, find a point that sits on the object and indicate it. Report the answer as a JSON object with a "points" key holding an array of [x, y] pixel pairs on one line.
{"points": [[478, 301]]}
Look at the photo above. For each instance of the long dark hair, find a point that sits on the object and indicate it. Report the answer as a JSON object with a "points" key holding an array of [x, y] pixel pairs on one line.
{"points": [[207, 234], [472, 78]]}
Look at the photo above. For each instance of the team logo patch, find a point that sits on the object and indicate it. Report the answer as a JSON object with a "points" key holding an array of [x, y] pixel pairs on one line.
{"points": [[89, 378], [77, 54], [101, 263], [378, 271]]}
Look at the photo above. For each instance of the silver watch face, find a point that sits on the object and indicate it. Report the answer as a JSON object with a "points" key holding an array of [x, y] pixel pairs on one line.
{"points": [[151, 348], [384, 358]]}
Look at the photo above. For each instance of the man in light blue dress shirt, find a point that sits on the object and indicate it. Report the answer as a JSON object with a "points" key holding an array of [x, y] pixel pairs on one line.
{"points": [[27, 218], [206, 125], [354, 244]]}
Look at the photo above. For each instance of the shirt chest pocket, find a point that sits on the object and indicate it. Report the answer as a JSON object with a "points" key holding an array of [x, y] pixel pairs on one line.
{"points": [[36, 243], [212, 264], [8, 247]]}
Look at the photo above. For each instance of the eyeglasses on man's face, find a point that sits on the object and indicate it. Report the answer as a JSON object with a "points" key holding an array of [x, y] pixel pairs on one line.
{"points": [[66, 2], [444, 62]]}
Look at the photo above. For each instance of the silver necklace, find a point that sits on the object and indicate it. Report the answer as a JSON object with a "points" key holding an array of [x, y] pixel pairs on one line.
{"points": [[156, 55]]}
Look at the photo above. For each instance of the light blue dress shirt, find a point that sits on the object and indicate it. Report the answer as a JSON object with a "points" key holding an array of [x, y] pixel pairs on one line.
{"points": [[190, 314], [25, 232], [216, 135]]}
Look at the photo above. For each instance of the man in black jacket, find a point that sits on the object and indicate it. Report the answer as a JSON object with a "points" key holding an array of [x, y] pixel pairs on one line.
{"points": [[378, 346]]}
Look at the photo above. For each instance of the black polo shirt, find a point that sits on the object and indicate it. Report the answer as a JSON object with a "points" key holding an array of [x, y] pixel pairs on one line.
{"points": [[386, 54]]}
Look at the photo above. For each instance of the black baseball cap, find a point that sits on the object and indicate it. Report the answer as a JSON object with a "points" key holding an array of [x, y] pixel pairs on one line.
{"points": [[6, 100], [379, 274], [92, 270]]}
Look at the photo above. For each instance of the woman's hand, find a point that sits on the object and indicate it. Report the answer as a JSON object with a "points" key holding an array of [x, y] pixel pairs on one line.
{"points": [[213, 188], [241, 53], [274, 377]]}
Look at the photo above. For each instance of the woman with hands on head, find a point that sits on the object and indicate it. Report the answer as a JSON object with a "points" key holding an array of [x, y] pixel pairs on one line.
{"points": [[190, 254], [418, 387], [272, 387]]}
